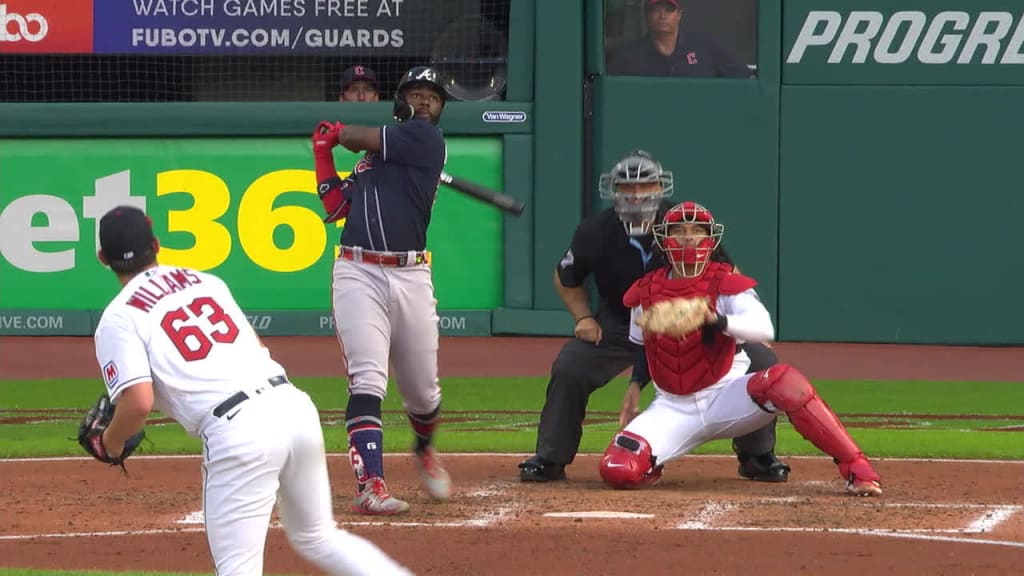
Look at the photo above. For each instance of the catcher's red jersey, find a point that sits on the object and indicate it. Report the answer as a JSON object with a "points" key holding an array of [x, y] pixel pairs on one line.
{"points": [[683, 366]]}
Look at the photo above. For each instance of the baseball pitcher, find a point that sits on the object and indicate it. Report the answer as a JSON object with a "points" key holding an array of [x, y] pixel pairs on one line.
{"points": [[690, 315], [175, 340]]}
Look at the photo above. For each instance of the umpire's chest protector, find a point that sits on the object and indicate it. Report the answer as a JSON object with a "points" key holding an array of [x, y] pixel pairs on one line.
{"points": [[686, 365]]}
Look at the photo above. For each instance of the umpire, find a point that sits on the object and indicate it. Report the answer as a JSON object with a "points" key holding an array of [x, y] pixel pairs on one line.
{"points": [[616, 246]]}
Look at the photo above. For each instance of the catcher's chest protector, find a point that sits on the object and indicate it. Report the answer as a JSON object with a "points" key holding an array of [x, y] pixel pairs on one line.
{"points": [[684, 366]]}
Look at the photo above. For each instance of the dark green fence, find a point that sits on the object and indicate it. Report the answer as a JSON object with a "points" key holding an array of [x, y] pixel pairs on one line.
{"points": [[868, 176]]}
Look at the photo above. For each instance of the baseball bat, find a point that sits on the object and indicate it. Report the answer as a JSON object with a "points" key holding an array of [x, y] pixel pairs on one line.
{"points": [[493, 197]]}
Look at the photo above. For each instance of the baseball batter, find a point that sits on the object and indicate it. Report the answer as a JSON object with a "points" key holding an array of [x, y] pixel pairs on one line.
{"points": [[383, 296], [703, 391], [174, 340]]}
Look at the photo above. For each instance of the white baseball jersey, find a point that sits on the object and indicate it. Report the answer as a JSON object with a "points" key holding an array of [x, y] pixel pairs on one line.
{"points": [[182, 330]]}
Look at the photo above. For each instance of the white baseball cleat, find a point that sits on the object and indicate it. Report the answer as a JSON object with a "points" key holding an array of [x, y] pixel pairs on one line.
{"points": [[435, 478], [375, 500]]}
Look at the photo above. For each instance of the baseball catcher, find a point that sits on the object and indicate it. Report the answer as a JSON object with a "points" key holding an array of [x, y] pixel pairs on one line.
{"points": [[691, 317], [90, 433]]}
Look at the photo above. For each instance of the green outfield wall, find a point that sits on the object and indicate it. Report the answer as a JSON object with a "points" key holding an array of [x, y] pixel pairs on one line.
{"points": [[867, 177]]}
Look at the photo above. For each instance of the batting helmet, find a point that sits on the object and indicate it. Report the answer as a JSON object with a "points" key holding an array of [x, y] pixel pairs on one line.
{"points": [[689, 251], [416, 77], [637, 184]]}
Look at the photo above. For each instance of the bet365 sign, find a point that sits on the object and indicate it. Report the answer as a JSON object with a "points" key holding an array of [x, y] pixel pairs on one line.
{"points": [[36, 230], [904, 42]]}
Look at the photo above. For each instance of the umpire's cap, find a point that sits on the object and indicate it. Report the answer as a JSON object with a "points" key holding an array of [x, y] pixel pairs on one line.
{"points": [[126, 239]]}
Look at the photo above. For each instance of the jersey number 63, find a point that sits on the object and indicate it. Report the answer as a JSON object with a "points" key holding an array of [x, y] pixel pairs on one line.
{"points": [[193, 342]]}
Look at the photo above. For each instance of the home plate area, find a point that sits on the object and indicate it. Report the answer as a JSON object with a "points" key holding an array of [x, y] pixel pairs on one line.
{"points": [[703, 495]]}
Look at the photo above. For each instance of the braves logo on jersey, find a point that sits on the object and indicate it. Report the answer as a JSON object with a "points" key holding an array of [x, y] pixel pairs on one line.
{"points": [[365, 163]]}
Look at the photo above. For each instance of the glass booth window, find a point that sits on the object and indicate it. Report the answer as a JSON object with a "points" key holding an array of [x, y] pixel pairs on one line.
{"points": [[681, 38]]}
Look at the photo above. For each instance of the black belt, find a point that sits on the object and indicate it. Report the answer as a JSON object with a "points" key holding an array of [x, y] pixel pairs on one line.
{"points": [[240, 397]]}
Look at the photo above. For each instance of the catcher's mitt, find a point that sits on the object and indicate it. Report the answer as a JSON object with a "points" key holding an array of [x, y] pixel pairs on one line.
{"points": [[90, 433], [677, 317]]}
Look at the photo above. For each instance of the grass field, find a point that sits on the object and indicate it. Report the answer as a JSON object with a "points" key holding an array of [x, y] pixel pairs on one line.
{"points": [[889, 419]]}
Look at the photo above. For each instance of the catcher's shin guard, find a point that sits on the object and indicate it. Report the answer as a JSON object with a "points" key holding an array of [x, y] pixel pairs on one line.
{"points": [[784, 388], [629, 462]]}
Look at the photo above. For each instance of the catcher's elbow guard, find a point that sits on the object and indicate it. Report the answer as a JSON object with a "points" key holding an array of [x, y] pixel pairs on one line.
{"points": [[629, 462]]}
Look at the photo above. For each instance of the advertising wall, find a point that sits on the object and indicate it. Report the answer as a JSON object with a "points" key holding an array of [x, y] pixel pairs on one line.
{"points": [[900, 192], [868, 177], [350, 27], [245, 209]]}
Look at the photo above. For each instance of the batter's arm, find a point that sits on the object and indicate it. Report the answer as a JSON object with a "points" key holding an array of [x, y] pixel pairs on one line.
{"points": [[360, 138]]}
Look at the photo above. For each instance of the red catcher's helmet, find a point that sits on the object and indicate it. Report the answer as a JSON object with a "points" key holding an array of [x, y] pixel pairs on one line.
{"points": [[677, 249]]}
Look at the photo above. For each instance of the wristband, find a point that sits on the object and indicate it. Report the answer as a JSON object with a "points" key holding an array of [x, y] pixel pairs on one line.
{"points": [[582, 318]]}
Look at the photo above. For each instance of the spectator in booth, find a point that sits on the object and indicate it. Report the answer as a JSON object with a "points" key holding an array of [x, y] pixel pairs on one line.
{"points": [[358, 84], [668, 51]]}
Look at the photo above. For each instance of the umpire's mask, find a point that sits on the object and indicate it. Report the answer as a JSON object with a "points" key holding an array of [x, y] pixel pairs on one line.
{"points": [[637, 185]]}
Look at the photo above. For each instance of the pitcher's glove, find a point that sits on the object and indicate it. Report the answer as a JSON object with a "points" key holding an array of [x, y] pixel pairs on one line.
{"points": [[677, 317], [90, 433]]}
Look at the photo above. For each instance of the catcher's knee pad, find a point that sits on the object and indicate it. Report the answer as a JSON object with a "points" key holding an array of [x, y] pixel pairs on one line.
{"points": [[780, 388], [783, 388], [629, 462]]}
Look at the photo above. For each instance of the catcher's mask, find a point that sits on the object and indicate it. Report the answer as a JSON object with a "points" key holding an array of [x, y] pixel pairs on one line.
{"points": [[637, 184], [420, 76], [688, 234]]}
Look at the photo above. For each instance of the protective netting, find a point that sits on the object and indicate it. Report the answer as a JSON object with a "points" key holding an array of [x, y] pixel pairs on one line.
{"points": [[254, 50]]}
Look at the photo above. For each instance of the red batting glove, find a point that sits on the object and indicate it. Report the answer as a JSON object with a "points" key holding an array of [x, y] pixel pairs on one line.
{"points": [[325, 137]]}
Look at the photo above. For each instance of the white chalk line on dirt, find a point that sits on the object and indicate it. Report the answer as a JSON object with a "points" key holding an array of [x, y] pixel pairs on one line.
{"points": [[103, 534], [872, 532], [706, 515], [992, 516], [510, 455], [884, 504], [482, 519]]}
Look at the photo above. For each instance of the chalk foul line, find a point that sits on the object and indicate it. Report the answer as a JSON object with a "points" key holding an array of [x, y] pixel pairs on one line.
{"points": [[874, 532]]}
